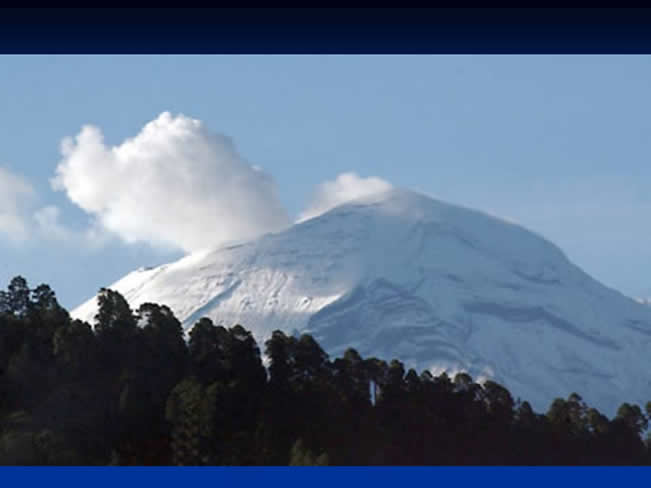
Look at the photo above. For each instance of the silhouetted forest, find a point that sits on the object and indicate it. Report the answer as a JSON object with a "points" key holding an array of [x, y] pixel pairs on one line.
{"points": [[133, 391]]}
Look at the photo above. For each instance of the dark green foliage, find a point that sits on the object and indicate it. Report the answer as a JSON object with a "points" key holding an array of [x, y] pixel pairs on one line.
{"points": [[15, 300], [133, 391], [191, 409], [632, 417], [74, 347], [114, 317], [301, 456], [499, 402]]}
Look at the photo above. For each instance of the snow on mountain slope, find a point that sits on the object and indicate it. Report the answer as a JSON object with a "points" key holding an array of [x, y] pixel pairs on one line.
{"points": [[440, 287]]}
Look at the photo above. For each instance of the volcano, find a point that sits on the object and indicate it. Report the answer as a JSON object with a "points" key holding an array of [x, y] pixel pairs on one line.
{"points": [[437, 286]]}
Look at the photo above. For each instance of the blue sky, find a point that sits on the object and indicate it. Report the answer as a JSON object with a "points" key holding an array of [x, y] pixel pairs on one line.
{"points": [[559, 144]]}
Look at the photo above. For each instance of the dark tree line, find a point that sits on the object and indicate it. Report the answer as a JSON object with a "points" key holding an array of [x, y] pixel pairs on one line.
{"points": [[133, 391]]}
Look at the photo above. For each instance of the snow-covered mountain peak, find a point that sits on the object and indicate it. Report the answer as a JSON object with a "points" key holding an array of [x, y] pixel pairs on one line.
{"points": [[438, 286]]}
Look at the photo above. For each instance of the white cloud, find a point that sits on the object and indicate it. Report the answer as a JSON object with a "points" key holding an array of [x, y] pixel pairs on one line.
{"points": [[347, 186], [47, 219], [175, 184], [50, 228], [15, 195]]}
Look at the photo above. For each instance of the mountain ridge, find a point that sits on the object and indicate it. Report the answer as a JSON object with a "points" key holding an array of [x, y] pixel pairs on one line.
{"points": [[438, 286]]}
